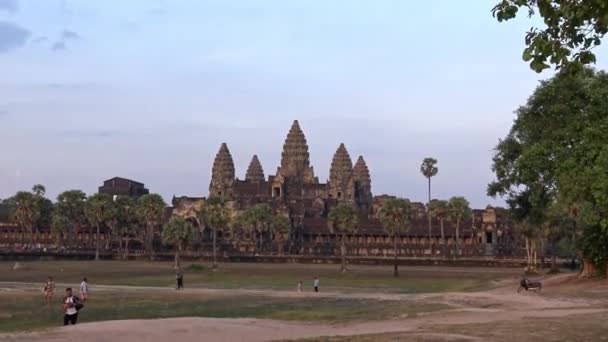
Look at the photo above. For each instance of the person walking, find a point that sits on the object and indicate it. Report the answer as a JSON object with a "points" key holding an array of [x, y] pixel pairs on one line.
{"points": [[71, 304], [316, 284], [49, 290], [299, 286], [84, 289], [179, 276]]}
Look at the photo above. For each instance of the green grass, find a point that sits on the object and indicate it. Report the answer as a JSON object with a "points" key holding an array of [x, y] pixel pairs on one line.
{"points": [[27, 311], [254, 276]]}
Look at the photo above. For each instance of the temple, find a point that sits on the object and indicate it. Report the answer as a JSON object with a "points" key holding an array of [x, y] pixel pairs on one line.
{"points": [[295, 191]]}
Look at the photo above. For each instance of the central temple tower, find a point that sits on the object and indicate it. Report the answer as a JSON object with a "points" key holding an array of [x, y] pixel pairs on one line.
{"points": [[295, 159]]}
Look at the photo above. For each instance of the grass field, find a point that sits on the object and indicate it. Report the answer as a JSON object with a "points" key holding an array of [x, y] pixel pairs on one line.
{"points": [[256, 276]]}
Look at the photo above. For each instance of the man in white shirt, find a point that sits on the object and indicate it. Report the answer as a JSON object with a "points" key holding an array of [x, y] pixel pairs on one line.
{"points": [[70, 303], [316, 284], [84, 289]]}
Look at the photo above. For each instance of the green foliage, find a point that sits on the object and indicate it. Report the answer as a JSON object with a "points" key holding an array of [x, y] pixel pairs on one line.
{"points": [[429, 167], [151, 209], [395, 215], [70, 204], [572, 29], [177, 232], [125, 218], [280, 224], [439, 209], [458, 209], [343, 219], [60, 225], [98, 209], [26, 210], [557, 151], [215, 214], [258, 218]]}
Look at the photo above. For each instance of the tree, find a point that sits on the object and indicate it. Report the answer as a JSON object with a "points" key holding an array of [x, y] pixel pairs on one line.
{"points": [[26, 211], [429, 170], [98, 210], [60, 225], [125, 222], [558, 225], [343, 220], [39, 190], [151, 212], [439, 210], [177, 232], [557, 151], [216, 216], [458, 211], [257, 220], [280, 228], [395, 215], [70, 205], [573, 29]]}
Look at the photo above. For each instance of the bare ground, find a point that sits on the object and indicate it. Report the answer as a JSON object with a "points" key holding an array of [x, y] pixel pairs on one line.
{"points": [[502, 304]]}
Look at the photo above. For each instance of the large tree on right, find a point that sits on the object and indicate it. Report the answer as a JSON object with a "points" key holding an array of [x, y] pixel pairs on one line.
{"points": [[557, 152]]}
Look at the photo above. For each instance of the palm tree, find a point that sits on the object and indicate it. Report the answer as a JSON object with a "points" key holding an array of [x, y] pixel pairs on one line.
{"points": [[177, 232], [343, 220], [429, 170], [60, 225], [280, 228], [458, 211], [151, 211], [439, 210], [124, 222], [395, 215], [257, 220], [26, 211], [98, 210], [216, 216], [70, 204], [39, 190]]}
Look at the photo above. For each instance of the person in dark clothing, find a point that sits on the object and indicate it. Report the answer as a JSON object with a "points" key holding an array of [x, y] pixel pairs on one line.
{"points": [[179, 276], [71, 305]]}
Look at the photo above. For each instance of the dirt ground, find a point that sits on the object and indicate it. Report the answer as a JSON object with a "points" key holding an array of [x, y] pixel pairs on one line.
{"points": [[562, 298]]}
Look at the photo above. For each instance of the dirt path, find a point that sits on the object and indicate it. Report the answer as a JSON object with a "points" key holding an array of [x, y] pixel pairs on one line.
{"points": [[498, 305]]}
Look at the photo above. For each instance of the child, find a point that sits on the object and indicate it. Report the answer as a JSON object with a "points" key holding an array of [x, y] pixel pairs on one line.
{"points": [[316, 284], [84, 289], [49, 290]]}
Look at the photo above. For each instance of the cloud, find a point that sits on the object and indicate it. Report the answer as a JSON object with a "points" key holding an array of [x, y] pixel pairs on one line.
{"points": [[12, 36], [39, 40], [58, 46], [67, 35], [10, 6]]}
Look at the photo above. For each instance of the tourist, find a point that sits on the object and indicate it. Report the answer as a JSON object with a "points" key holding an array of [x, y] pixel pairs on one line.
{"points": [[49, 290], [84, 289], [299, 286], [179, 276], [316, 284], [71, 304]]}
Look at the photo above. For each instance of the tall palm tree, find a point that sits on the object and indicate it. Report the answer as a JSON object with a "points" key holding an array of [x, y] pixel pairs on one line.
{"points": [[39, 190], [60, 225], [280, 229], [439, 210], [70, 204], [429, 170], [343, 220], [177, 232], [26, 211], [215, 215], [124, 222], [98, 210], [151, 211], [395, 215], [458, 211], [257, 220]]}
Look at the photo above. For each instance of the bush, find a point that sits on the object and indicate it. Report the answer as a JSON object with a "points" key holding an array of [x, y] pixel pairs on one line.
{"points": [[195, 268]]}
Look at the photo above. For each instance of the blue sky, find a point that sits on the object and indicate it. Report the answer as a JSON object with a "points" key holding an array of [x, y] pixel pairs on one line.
{"points": [[149, 89]]}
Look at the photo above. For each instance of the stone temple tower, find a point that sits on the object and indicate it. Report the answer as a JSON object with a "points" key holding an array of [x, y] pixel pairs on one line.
{"points": [[363, 184], [341, 185], [255, 173], [222, 173], [295, 160]]}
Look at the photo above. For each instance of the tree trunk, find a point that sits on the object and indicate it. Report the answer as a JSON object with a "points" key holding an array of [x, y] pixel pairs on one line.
{"points": [[443, 241], [528, 254], [457, 238], [126, 254], [396, 268], [343, 253], [179, 247], [588, 270], [429, 213], [214, 266], [554, 267], [97, 244]]}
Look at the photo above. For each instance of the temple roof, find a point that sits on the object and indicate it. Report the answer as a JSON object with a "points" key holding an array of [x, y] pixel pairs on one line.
{"points": [[341, 166], [295, 158], [361, 172], [223, 166], [255, 173]]}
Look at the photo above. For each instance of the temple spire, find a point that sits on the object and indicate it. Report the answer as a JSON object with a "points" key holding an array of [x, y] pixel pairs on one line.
{"points": [[255, 172], [363, 183], [222, 173], [341, 183], [295, 160]]}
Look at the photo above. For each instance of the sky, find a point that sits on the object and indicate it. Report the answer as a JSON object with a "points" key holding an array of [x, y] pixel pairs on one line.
{"points": [[149, 89]]}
